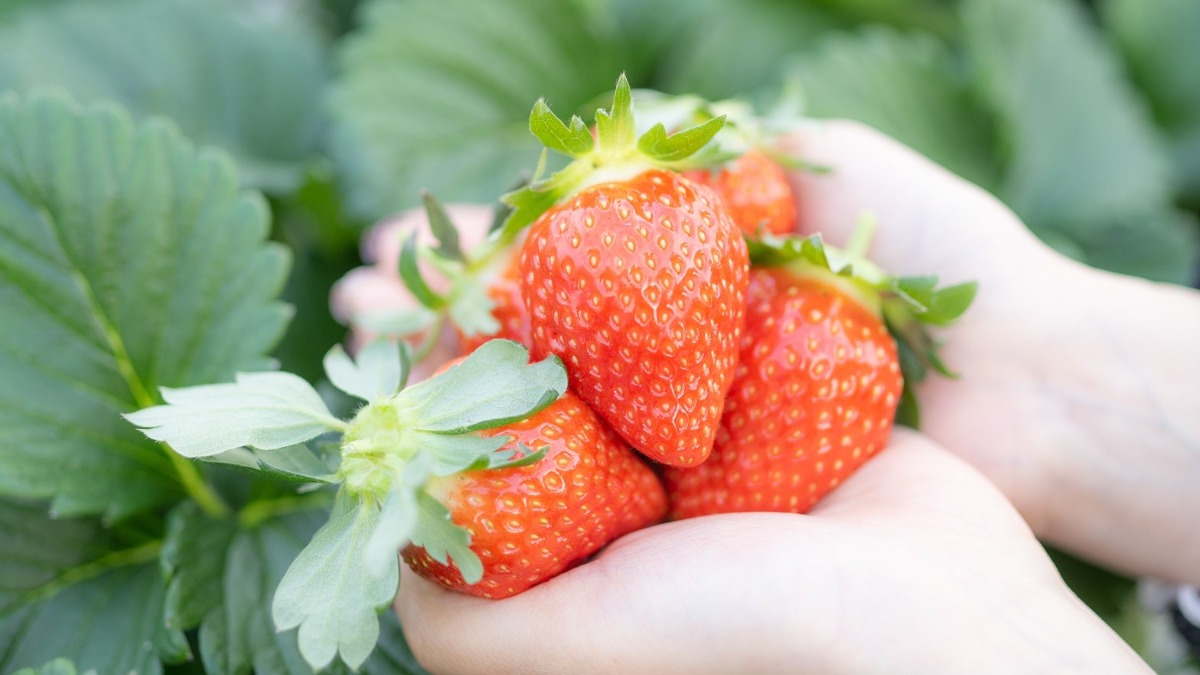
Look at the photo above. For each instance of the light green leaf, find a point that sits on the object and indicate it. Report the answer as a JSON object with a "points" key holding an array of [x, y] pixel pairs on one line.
{"points": [[443, 229], [470, 308], [377, 371], [396, 323], [228, 78], [908, 86], [128, 260], [444, 541], [58, 666], [261, 410], [452, 454], [556, 135], [437, 93], [296, 463], [398, 518], [656, 143], [328, 591], [495, 385], [70, 589]]}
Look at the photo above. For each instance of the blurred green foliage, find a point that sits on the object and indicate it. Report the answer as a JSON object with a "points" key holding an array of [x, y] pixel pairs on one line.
{"points": [[1084, 117]]}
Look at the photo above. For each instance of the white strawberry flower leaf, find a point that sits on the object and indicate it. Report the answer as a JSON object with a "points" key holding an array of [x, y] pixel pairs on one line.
{"points": [[444, 541], [379, 370], [330, 593], [295, 463], [261, 410], [495, 385]]}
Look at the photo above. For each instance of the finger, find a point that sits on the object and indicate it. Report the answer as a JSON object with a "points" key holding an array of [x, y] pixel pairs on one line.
{"points": [[914, 480], [928, 219]]}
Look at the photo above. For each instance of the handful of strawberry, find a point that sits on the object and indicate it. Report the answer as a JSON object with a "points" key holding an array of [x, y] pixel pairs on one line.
{"points": [[670, 323]]}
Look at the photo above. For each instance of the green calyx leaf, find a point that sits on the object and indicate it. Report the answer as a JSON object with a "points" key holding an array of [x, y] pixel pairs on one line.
{"points": [[410, 273], [616, 154], [444, 541], [379, 371], [909, 306], [443, 228]]}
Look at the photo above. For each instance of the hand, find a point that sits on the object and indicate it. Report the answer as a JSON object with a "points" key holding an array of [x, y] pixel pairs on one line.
{"points": [[1077, 394], [915, 564]]}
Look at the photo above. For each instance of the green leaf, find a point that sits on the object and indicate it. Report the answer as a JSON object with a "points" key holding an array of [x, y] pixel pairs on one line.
{"points": [[436, 93], [410, 273], [397, 518], [615, 128], [1084, 155], [377, 371], [69, 588], [554, 134], [470, 308], [908, 86], [729, 48], [444, 541], [128, 260], [443, 229], [1158, 40], [451, 454], [261, 410], [228, 78], [495, 385], [295, 463], [397, 323], [58, 666], [328, 591], [656, 144], [229, 574]]}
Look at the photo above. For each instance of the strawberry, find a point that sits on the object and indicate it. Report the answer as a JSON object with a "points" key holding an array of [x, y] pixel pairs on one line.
{"points": [[530, 523], [636, 278], [819, 379], [756, 192]]}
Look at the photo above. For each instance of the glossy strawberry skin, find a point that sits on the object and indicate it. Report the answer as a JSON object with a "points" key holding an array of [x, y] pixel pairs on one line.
{"points": [[639, 286], [815, 395], [531, 523], [756, 192]]}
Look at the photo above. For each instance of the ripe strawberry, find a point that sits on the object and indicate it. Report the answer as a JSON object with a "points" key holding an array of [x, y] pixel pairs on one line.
{"points": [[530, 523], [818, 381], [756, 192], [636, 278]]}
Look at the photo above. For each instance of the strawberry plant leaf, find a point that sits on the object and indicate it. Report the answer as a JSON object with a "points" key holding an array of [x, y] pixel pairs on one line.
{"points": [[451, 454], [58, 666], [1158, 40], [444, 541], [261, 410], [470, 309], [397, 518], [398, 322], [249, 85], [294, 463], [494, 385], [62, 580], [410, 273], [436, 93], [128, 261], [615, 127], [556, 135], [1085, 165], [908, 86], [378, 370], [328, 591], [443, 229], [657, 144]]}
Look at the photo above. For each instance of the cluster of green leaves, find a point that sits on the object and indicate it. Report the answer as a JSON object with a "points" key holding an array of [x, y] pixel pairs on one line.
{"points": [[133, 259]]}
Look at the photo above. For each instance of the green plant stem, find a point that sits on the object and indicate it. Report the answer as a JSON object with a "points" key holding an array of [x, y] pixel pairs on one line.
{"points": [[432, 335], [143, 553], [258, 512], [200, 491]]}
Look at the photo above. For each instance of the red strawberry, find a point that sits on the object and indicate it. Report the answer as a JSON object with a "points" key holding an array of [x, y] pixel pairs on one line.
{"points": [[635, 277], [530, 523], [818, 381], [756, 192]]}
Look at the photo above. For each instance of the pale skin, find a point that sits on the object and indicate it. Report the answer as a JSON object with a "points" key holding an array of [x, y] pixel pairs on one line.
{"points": [[1074, 406]]}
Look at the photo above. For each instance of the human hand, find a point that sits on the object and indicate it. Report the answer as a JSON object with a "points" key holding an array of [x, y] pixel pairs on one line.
{"points": [[915, 564], [1077, 394]]}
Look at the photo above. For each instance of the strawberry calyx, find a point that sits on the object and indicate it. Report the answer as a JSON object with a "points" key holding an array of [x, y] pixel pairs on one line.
{"points": [[617, 152], [909, 306], [397, 447]]}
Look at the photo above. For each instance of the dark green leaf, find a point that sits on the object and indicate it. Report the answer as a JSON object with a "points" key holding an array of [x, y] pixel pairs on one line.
{"points": [[437, 93], [127, 261], [193, 560], [443, 229], [1084, 155], [70, 589], [229, 78], [410, 273], [907, 86], [58, 666]]}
